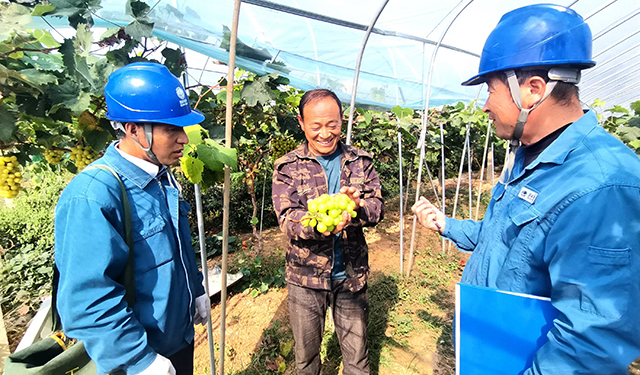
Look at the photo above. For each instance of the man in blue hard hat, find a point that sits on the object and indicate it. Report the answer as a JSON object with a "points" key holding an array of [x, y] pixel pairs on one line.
{"points": [[563, 221], [149, 109]]}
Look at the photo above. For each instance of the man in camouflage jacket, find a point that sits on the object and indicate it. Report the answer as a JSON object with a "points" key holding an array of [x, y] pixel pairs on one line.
{"points": [[299, 177]]}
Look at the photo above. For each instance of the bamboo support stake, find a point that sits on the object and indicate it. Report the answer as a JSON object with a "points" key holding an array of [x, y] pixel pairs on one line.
{"points": [[227, 182]]}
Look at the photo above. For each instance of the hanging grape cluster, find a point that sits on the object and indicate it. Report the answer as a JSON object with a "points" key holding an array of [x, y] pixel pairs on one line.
{"points": [[325, 212], [10, 177], [82, 156], [53, 157], [282, 146]]}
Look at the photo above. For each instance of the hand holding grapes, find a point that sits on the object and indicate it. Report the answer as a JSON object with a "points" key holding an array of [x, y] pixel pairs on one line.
{"points": [[354, 195], [329, 213]]}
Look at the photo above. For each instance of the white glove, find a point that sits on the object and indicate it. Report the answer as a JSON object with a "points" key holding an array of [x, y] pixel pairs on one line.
{"points": [[160, 366], [203, 309]]}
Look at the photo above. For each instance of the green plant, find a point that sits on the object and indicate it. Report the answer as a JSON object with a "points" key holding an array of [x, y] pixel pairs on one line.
{"points": [[261, 273], [26, 242]]}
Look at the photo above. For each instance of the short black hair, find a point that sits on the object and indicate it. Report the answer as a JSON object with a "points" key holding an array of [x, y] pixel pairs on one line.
{"points": [[314, 95], [563, 93]]}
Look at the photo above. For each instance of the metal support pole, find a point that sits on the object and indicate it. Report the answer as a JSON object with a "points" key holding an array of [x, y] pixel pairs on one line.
{"points": [[423, 133], [401, 207], [227, 181], [484, 160], [356, 75], [205, 273]]}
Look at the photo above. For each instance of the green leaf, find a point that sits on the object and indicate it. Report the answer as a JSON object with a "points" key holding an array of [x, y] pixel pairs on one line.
{"points": [[619, 109], [222, 97], [38, 77], [368, 117], [7, 124], [43, 61], [82, 71], [139, 29], [407, 112], [13, 17], [636, 107], [254, 293], [195, 135], [397, 110], [258, 91], [42, 9], [214, 156], [84, 40], [97, 139], [254, 221], [68, 51], [635, 144], [192, 168], [137, 9], [174, 61]]}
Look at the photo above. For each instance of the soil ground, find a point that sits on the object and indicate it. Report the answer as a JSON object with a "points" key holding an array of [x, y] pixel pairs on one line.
{"points": [[248, 317]]}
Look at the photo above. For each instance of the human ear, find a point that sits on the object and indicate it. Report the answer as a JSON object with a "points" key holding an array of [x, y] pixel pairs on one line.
{"points": [[533, 91]]}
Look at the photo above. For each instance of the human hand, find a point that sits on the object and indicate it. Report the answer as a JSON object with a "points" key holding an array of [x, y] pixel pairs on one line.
{"points": [[428, 215], [354, 195], [160, 366], [203, 309]]}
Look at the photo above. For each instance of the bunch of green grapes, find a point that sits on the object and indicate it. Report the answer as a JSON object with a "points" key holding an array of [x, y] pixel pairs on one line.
{"points": [[282, 146], [325, 212], [53, 157], [82, 156], [10, 177]]}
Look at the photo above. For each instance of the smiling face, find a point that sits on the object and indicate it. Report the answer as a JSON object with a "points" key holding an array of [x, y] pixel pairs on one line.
{"points": [[322, 125], [502, 111], [168, 143]]}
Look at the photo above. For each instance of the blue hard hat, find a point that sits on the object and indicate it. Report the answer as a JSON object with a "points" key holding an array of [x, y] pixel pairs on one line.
{"points": [[148, 92], [540, 35]]}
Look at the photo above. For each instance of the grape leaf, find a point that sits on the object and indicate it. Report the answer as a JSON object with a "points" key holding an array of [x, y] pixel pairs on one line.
{"points": [[83, 41], [139, 28], [258, 91], [42, 61], [137, 9], [215, 156], [192, 168], [636, 107], [254, 221], [97, 139], [42, 9], [38, 77], [7, 125], [194, 132]]}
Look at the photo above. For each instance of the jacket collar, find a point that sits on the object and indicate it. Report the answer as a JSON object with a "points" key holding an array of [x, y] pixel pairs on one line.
{"points": [[558, 151], [347, 152], [125, 168]]}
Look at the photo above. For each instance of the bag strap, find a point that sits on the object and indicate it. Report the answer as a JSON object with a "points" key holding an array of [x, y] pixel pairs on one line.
{"points": [[127, 279]]}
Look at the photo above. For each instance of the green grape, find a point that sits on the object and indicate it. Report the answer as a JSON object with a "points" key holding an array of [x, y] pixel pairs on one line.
{"points": [[282, 146], [325, 213], [53, 157], [82, 156], [10, 177]]}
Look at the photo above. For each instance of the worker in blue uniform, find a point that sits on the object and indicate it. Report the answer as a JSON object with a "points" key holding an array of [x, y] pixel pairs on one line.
{"points": [[564, 220], [149, 109]]}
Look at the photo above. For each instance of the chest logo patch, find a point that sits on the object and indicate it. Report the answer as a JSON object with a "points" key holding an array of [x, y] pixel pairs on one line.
{"points": [[528, 195], [357, 180]]}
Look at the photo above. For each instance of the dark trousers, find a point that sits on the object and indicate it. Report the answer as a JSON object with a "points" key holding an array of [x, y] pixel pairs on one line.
{"points": [[182, 361], [307, 311]]}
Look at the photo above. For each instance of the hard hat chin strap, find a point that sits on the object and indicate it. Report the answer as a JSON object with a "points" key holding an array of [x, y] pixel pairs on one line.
{"points": [[148, 135], [514, 144]]}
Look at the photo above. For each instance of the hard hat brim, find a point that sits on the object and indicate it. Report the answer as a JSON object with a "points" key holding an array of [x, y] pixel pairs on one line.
{"points": [[192, 118]]}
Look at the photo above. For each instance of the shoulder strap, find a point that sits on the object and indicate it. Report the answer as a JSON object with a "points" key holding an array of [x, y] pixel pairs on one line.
{"points": [[127, 279]]}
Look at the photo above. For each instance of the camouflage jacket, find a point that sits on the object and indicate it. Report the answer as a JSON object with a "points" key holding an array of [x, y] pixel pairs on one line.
{"points": [[299, 177]]}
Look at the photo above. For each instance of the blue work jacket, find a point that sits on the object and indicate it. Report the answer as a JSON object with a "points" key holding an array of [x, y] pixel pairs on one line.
{"points": [[567, 227], [91, 253]]}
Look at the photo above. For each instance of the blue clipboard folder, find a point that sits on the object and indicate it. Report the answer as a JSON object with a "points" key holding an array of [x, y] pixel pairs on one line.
{"points": [[499, 332]]}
